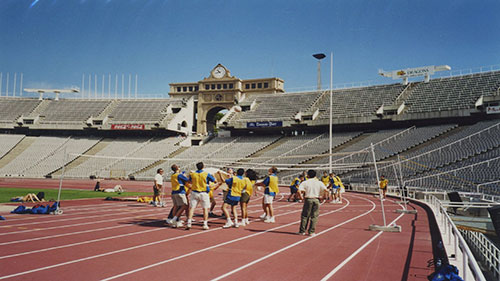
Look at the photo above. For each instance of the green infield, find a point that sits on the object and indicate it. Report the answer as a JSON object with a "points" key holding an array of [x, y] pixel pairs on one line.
{"points": [[6, 193]]}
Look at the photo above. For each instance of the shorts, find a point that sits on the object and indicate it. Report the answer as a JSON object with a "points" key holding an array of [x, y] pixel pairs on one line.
{"points": [[231, 202], [268, 199], [202, 198], [293, 189], [156, 191], [179, 199], [245, 197]]}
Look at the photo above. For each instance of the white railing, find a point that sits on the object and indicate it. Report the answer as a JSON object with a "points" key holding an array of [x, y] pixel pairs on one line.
{"points": [[488, 253], [455, 244]]}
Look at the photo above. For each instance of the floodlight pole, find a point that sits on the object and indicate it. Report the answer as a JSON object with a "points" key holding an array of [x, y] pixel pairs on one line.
{"points": [[331, 110], [319, 57]]}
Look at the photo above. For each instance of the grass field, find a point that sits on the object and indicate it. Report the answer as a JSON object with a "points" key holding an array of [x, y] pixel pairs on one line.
{"points": [[6, 193]]}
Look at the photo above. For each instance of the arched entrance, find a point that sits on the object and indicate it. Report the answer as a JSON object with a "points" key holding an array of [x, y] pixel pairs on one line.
{"points": [[213, 115]]}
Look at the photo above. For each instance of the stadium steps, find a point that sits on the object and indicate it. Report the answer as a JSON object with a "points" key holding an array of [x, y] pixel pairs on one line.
{"points": [[16, 150], [111, 106], [262, 152], [79, 160], [39, 108], [160, 162]]}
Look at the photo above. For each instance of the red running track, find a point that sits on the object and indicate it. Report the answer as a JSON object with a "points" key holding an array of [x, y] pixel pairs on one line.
{"points": [[97, 239]]}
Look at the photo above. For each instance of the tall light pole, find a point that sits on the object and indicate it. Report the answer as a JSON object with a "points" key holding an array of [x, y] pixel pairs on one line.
{"points": [[319, 57], [331, 111]]}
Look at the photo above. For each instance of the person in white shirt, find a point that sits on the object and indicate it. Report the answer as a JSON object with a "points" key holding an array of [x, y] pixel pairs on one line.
{"points": [[310, 192], [157, 186]]}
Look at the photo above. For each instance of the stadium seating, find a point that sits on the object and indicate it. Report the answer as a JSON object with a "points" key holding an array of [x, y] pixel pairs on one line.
{"points": [[72, 111], [452, 93], [13, 108], [139, 111], [8, 142]]}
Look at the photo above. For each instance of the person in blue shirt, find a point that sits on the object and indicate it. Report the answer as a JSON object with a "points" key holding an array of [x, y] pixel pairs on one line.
{"points": [[179, 198]]}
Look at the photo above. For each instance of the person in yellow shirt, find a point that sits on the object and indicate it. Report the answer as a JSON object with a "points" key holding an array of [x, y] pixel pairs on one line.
{"points": [[325, 178], [337, 187], [245, 196], [200, 188], [383, 185], [270, 191], [294, 188], [236, 185]]}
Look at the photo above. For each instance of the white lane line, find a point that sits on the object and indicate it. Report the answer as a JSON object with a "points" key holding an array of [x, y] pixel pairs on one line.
{"points": [[348, 259], [80, 232], [72, 225], [68, 219], [89, 241], [296, 243], [212, 247], [128, 249], [106, 228]]}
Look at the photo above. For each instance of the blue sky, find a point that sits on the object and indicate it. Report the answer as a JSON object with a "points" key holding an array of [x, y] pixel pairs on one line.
{"points": [[54, 42]]}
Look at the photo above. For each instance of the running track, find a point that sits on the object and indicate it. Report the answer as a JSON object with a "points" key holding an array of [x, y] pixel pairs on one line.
{"points": [[108, 240]]}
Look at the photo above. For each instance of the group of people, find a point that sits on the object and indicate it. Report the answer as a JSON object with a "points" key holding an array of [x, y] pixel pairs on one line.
{"points": [[197, 187], [332, 182]]}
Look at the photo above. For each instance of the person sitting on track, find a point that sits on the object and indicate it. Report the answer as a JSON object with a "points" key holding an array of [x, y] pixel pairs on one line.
{"points": [[294, 188], [179, 199], [270, 191], [200, 187], [245, 196], [236, 184], [157, 186], [30, 197]]}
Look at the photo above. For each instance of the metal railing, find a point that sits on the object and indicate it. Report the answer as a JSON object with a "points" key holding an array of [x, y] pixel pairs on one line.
{"points": [[488, 253], [454, 243]]}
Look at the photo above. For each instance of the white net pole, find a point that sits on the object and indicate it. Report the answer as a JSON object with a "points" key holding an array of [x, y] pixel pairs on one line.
{"points": [[378, 182], [61, 180]]}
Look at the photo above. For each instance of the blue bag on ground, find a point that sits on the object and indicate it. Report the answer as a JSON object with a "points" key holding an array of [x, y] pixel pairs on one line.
{"points": [[19, 210], [446, 272]]}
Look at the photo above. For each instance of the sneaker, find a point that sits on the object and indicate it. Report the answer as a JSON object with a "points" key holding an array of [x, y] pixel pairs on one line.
{"points": [[236, 225], [179, 224], [205, 227], [272, 219], [228, 225], [169, 221], [243, 223], [301, 233], [188, 226], [263, 216], [247, 221], [269, 220], [312, 234]]}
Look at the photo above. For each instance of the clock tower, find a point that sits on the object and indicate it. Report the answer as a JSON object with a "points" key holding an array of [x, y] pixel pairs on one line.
{"points": [[221, 91]]}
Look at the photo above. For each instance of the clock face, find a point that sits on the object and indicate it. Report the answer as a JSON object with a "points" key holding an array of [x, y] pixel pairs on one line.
{"points": [[218, 97], [219, 72]]}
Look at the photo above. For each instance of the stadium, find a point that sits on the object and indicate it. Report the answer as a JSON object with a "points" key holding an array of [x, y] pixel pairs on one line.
{"points": [[430, 138], [249, 140]]}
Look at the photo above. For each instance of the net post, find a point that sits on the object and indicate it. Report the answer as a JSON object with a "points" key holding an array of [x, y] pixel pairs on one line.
{"points": [[58, 210], [385, 227]]}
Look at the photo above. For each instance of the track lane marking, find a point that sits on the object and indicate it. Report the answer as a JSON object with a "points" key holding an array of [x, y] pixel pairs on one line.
{"points": [[355, 253], [296, 243]]}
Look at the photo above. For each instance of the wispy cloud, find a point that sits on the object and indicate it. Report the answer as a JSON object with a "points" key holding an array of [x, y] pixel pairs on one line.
{"points": [[34, 3]]}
